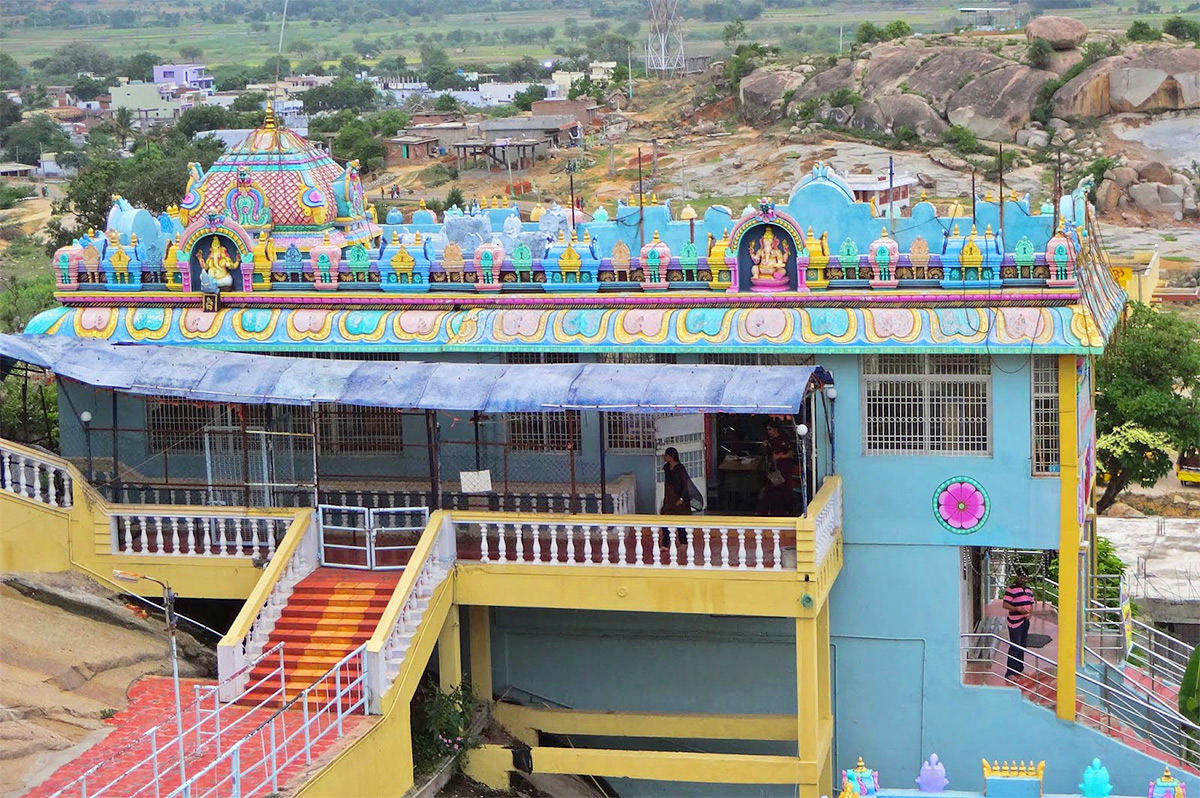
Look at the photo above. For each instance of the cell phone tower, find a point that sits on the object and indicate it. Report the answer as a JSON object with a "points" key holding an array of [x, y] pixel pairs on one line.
{"points": [[664, 49]]}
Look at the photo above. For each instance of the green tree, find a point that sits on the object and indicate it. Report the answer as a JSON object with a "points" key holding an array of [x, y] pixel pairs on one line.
{"points": [[35, 98], [12, 76], [455, 197], [1189, 691], [525, 98], [141, 66], [88, 88], [190, 52], [202, 117], [10, 113], [356, 141], [733, 31], [1186, 30], [389, 122], [608, 47], [250, 101], [1147, 398], [343, 93], [445, 102], [122, 125], [868, 32], [1039, 53], [896, 29], [26, 141], [1141, 31]]}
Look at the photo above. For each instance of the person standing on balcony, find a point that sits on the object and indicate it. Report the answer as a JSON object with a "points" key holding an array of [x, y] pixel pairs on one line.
{"points": [[676, 493], [1018, 601], [778, 498]]}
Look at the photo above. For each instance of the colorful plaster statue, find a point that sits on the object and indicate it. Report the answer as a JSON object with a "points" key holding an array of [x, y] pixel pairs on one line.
{"points": [[933, 776], [862, 779], [770, 259], [218, 265], [1095, 781], [1167, 786]]}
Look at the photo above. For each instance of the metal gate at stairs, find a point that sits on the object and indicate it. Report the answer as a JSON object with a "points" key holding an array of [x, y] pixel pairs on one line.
{"points": [[369, 538]]}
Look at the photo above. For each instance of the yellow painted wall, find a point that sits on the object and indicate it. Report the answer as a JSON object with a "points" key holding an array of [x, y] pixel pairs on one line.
{"points": [[35, 537]]}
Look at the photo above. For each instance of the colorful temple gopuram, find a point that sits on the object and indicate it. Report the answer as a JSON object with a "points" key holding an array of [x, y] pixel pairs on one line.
{"points": [[416, 443]]}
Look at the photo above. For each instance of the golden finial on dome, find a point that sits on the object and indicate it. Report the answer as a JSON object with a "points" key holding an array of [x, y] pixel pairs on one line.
{"points": [[395, 236], [656, 239], [987, 195], [326, 241], [956, 233], [417, 240], [495, 201], [883, 233], [988, 231], [133, 239], [91, 232], [561, 238], [654, 198], [574, 236], [973, 232], [924, 197], [269, 117], [1012, 195], [422, 203], [587, 235]]}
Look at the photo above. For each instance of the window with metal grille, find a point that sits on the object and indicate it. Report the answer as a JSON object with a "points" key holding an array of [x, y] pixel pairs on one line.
{"points": [[756, 359], [1044, 399], [916, 404], [629, 432], [543, 432], [180, 425], [348, 429], [627, 358]]}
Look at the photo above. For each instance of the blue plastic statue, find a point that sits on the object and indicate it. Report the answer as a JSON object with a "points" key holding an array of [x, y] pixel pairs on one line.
{"points": [[933, 776], [1095, 781]]}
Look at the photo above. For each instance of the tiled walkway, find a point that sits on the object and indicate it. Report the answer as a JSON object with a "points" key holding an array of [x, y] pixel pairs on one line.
{"points": [[127, 768]]}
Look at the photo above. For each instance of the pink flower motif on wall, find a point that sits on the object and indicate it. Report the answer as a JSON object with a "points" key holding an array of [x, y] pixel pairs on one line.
{"points": [[961, 505]]}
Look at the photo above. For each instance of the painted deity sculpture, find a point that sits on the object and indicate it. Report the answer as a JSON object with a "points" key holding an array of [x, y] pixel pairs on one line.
{"points": [[861, 779], [218, 266], [933, 776], [1167, 786], [769, 258], [1095, 781]]}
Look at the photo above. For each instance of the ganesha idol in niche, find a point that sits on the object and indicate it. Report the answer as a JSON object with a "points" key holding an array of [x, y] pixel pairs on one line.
{"points": [[769, 257]]}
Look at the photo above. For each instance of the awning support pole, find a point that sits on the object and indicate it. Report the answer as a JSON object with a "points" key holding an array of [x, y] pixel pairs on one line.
{"points": [[603, 466], [435, 480]]}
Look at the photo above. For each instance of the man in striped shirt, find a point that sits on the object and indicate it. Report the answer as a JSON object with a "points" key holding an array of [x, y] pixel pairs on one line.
{"points": [[1018, 601]]}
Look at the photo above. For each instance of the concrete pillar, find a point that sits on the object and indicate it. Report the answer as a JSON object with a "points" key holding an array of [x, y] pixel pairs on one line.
{"points": [[450, 653], [479, 627]]}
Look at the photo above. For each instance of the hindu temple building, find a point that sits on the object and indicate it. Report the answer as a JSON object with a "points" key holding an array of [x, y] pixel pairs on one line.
{"points": [[422, 439]]}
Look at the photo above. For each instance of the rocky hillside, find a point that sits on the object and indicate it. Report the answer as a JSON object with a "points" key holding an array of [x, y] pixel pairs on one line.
{"points": [[926, 84]]}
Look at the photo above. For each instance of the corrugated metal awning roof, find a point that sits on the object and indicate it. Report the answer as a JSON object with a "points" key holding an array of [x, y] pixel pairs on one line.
{"points": [[208, 375]]}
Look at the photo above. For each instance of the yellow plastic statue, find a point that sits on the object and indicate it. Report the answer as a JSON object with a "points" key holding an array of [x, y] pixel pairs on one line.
{"points": [[769, 258], [219, 265]]}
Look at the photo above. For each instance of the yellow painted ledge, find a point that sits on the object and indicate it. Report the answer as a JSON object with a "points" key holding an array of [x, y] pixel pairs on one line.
{"points": [[613, 588], [648, 724], [491, 765]]}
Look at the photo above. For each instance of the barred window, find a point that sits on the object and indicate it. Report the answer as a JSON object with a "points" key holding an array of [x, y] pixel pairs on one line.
{"points": [[349, 429], [756, 359], [1044, 393], [543, 432], [927, 404], [629, 358], [180, 425], [629, 432]]}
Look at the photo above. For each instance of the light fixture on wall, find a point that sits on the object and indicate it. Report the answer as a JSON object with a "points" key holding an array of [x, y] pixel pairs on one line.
{"points": [[86, 418]]}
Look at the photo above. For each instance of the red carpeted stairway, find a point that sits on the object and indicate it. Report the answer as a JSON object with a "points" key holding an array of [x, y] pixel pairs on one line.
{"points": [[329, 614]]}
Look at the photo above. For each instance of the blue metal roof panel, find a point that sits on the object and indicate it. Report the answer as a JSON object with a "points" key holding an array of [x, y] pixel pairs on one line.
{"points": [[213, 376]]}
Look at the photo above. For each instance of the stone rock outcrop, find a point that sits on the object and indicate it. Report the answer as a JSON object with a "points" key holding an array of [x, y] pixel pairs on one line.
{"points": [[1063, 33], [1152, 171], [950, 71], [761, 92], [1124, 176], [894, 111], [1108, 194], [997, 104], [1146, 78], [1035, 139]]}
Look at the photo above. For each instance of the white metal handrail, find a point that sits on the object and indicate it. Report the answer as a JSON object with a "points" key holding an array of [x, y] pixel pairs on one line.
{"points": [[584, 541], [384, 666], [1109, 708], [257, 762], [161, 744], [40, 479], [195, 534], [231, 659]]}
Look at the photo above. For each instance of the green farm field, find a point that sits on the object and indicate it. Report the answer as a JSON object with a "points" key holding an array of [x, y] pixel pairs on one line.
{"points": [[809, 28]]}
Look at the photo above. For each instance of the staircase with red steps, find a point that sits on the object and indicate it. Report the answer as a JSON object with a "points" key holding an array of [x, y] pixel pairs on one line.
{"points": [[330, 613]]}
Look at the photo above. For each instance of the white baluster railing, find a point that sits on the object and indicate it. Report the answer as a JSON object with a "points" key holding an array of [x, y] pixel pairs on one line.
{"points": [[431, 563], [600, 540], [234, 651], [828, 523], [151, 531], [39, 478]]}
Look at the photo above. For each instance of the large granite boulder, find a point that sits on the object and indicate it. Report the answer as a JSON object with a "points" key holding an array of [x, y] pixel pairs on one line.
{"points": [[1063, 33], [996, 104], [1124, 176], [761, 92], [1108, 194], [843, 75], [1152, 171], [1143, 79], [894, 111], [949, 71]]}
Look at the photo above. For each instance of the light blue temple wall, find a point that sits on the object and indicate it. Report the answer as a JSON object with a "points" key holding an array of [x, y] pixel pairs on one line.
{"points": [[898, 689], [889, 498], [652, 662]]}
